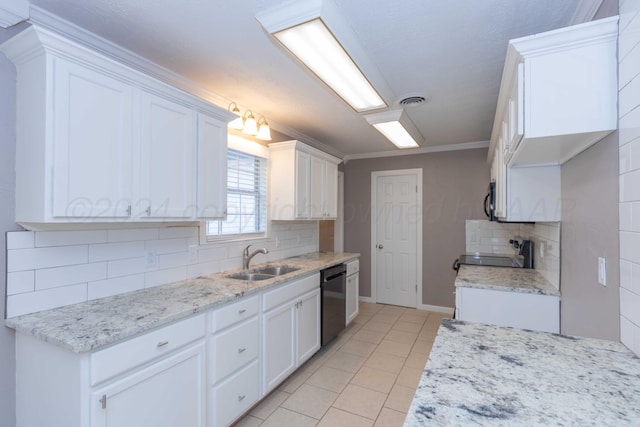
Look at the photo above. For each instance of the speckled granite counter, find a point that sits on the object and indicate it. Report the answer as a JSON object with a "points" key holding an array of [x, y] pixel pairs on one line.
{"points": [[489, 375], [504, 279], [89, 325]]}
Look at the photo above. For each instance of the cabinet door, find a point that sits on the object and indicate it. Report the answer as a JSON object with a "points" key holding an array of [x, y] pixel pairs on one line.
{"points": [[352, 297], [278, 351], [331, 190], [516, 111], [168, 161], [212, 168], [308, 326], [168, 393], [303, 171], [316, 187], [93, 143]]}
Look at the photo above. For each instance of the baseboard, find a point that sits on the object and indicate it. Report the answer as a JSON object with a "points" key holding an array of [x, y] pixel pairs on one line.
{"points": [[365, 299], [436, 308]]}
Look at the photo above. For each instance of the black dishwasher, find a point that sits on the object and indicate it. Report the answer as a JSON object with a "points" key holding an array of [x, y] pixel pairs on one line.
{"points": [[333, 301]]}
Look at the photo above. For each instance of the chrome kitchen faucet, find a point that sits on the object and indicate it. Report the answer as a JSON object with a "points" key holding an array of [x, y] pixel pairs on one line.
{"points": [[246, 258]]}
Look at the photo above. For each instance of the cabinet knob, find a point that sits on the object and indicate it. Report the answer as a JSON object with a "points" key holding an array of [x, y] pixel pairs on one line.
{"points": [[162, 343], [242, 311], [242, 350], [128, 210], [148, 210], [241, 397]]}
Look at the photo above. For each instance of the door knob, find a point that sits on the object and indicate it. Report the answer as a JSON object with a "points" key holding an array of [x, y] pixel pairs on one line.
{"points": [[380, 247]]}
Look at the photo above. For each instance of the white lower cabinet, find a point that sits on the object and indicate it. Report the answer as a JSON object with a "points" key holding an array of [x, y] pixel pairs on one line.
{"points": [[234, 363], [168, 393], [291, 329], [353, 291], [206, 370], [506, 308]]}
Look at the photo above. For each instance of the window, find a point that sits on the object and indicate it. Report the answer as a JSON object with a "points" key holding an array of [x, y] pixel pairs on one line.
{"points": [[246, 199]]}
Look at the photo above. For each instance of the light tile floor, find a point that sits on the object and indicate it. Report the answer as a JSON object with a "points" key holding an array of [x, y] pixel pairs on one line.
{"points": [[367, 376]]}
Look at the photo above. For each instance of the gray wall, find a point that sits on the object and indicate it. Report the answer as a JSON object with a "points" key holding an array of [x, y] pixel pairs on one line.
{"points": [[454, 187], [590, 230], [7, 191]]}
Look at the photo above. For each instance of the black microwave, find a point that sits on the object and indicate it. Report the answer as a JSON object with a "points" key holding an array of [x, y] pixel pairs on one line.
{"points": [[490, 202]]}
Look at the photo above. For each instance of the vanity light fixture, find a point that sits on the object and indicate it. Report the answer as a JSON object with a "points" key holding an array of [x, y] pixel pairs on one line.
{"points": [[311, 30], [396, 127], [236, 123], [250, 124], [264, 131]]}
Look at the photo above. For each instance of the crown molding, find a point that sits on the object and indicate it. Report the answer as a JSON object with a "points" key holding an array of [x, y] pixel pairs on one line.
{"points": [[421, 150]]}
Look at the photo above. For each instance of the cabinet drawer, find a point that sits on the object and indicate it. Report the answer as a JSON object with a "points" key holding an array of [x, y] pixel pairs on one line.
{"points": [[234, 313], [353, 267], [236, 395], [285, 293], [234, 348], [121, 357]]}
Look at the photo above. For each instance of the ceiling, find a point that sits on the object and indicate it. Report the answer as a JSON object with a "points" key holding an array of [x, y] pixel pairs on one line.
{"points": [[450, 51]]}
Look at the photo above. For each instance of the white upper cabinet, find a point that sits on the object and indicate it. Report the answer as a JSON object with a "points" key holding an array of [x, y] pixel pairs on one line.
{"points": [[98, 141], [168, 162], [313, 191], [93, 143], [212, 167], [558, 93]]}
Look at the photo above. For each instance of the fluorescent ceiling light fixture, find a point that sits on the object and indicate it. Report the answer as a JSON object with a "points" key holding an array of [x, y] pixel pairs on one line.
{"points": [[317, 48], [396, 127]]}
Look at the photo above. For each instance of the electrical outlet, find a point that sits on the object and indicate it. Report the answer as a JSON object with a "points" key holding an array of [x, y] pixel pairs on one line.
{"points": [[277, 242], [541, 250], [602, 271], [150, 260]]}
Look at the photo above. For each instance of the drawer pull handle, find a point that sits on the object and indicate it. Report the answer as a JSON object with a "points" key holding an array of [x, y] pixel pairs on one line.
{"points": [[162, 343], [242, 311], [241, 398], [242, 350]]}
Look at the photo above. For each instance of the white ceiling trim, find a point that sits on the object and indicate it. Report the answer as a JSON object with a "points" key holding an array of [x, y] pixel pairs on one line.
{"points": [[585, 12], [421, 150], [78, 34]]}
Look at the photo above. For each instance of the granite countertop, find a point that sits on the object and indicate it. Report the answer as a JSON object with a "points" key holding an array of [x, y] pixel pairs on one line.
{"points": [[489, 375], [90, 325], [504, 279]]}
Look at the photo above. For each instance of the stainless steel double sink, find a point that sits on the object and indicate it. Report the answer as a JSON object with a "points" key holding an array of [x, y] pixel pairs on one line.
{"points": [[263, 273]]}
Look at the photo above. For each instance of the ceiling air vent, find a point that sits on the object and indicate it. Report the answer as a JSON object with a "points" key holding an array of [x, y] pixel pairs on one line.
{"points": [[412, 101]]}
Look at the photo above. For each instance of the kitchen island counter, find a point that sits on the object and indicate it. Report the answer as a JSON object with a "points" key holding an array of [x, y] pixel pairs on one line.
{"points": [[488, 375], [93, 324]]}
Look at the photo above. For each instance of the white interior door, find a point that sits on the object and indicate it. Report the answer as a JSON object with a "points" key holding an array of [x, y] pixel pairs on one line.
{"points": [[396, 227]]}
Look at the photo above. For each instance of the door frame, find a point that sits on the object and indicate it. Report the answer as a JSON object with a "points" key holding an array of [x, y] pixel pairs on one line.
{"points": [[374, 178]]}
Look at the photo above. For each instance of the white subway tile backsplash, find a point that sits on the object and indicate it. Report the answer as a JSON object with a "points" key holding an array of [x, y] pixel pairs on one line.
{"points": [[629, 126], [630, 335], [130, 235], [126, 267], [629, 133], [629, 303], [31, 259], [61, 276], [20, 239], [629, 244], [67, 238], [114, 251], [172, 260], [166, 246], [177, 232], [31, 302], [71, 266], [162, 277], [20, 282], [119, 285]]}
